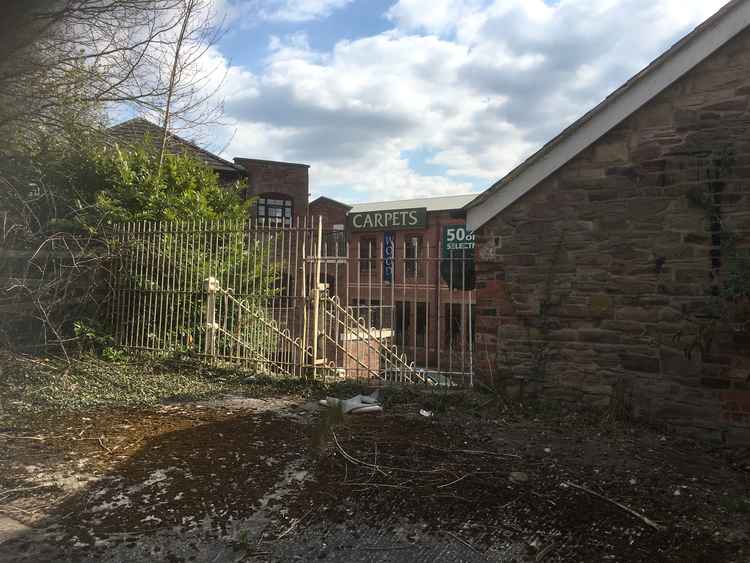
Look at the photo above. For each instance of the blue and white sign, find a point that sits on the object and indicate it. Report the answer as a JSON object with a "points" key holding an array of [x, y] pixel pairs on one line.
{"points": [[389, 248]]}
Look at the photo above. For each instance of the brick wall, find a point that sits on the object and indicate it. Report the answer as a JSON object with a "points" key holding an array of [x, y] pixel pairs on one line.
{"points": [[333, 212], [266, 177], [597, 283]]}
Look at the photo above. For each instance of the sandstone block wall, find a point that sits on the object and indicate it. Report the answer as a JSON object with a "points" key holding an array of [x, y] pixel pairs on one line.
{"points": [[600, 284]]}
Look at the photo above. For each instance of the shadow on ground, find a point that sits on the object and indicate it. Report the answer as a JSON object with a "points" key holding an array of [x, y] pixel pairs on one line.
{"points": [[214, 484]]}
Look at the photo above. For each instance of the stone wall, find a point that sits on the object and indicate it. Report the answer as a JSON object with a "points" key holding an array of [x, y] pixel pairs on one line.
{"points": [[600, 283]]}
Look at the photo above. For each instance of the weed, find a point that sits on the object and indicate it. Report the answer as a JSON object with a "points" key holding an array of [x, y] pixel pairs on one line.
{"points": [[244, 538]]}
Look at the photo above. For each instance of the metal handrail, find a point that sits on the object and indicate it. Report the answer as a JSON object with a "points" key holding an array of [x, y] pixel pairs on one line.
{"points": [[404, 367]]}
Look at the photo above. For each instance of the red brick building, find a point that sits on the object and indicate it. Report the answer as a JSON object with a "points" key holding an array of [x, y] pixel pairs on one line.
{"points": [[610, 264], [333, 212], [401, 277], [281, 188]]}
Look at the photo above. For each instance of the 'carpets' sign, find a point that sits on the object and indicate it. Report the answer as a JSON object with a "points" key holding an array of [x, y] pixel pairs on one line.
{"points": [[390, 220]]}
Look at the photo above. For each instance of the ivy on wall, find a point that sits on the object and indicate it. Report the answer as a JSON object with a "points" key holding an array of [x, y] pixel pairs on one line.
{"points": [[728, 295]]}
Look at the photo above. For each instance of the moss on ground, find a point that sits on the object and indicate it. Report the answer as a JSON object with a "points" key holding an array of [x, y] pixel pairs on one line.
{"points": [[32, 385]]}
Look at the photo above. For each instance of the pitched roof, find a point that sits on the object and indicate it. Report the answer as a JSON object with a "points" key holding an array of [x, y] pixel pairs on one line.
{"points": [[641, 88], [240, 161], [135, 130], [442, 203], [330, 200]]}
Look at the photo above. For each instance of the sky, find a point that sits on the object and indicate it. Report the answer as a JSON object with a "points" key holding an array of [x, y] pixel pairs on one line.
{"points": [[389, 99]]}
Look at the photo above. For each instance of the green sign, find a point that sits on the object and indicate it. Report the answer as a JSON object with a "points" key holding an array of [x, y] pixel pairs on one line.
{"points": [[457, 238], [388, 220], [457, 264]]}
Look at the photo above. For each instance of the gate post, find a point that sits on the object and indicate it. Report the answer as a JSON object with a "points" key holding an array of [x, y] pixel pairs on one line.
{"points": [[211, 285], [316, 297]]}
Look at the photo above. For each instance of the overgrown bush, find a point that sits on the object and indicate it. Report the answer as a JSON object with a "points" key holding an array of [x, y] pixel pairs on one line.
{"points": [[60, 198], [84, 189]]}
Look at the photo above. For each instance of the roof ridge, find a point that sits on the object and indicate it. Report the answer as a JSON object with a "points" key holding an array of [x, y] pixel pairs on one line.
{"points": [[177, 139], [542, 154], [331, 199]]}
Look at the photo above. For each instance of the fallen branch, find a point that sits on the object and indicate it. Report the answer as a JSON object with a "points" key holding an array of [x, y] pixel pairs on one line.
{"points": [[384, 547], [542, 555], [11, 507], [369, 484], [39, 438], [627, 509], [6, 493], [104, 447], [294, 524], [454, 481], [463, 541], [353, 459], [378, 468], [468, 452]]}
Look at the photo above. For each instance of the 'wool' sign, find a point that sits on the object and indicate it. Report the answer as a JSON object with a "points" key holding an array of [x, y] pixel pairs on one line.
{"points": [[390, 220]]}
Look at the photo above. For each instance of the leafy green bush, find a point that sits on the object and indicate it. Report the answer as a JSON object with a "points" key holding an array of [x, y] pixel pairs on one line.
{"points": [[132, 187], [83, 188], [116, 186], [56, 194]]}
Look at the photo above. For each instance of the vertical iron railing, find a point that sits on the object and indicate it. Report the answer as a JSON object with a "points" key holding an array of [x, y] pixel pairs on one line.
{"points": [[221, 290], [419, 299], [294, 300]]}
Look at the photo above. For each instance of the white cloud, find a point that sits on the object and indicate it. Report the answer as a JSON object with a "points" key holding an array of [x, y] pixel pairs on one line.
{"points": [[437, 16], [304, 10], [250, 12], [466, 88]]}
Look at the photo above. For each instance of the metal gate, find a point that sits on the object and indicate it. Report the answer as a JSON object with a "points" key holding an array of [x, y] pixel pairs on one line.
{"points": [[295, 300]]}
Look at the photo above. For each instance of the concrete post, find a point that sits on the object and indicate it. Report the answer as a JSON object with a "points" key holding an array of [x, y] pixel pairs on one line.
{"points": [[211, 286]]}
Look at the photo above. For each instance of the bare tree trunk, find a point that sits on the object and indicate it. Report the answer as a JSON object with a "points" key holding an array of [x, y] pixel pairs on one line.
{"points": [[190, 4]]}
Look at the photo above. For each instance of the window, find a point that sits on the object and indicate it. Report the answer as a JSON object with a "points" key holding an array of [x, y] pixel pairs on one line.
{"points": [[367, 254], [274, 212], [403, 322], [412, 247], [411, 323], [457, 318], [334, 242], [369, 311]]}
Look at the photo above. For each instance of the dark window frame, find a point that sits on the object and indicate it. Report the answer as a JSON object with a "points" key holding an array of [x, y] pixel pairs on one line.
{"points": [[367, 254], [410, 325], [413, 255], [282, 206]]}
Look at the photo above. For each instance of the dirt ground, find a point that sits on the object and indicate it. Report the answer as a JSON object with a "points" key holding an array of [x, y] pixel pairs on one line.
{"points": [[282, 479]]}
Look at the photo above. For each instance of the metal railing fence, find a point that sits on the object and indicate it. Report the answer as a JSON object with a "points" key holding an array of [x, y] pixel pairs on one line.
{"points": [[294, 300], [162, 284]]}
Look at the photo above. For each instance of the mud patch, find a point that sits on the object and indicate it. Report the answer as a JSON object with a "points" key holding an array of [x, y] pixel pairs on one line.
{"points": [[278, 480]]}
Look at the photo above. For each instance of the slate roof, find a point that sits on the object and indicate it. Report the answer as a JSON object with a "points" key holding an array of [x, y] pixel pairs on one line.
{"points": [[331, 200], [135, 130]]}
